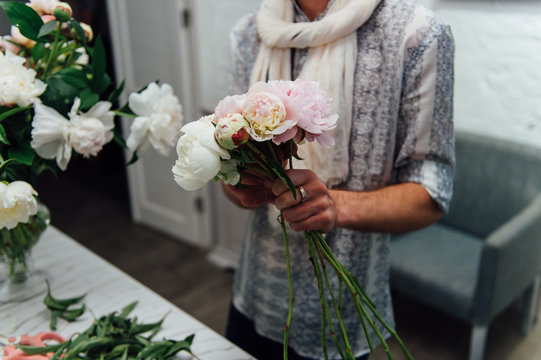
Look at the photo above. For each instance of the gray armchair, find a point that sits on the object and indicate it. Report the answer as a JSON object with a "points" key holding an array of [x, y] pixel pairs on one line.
{"points": [[486, 252]]}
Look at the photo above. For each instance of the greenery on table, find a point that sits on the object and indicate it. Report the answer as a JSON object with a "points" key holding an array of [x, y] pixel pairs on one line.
{"points": [[113, 336], [60, 308]]}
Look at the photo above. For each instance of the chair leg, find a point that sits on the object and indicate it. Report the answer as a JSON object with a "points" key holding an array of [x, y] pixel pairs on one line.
{"points": [[477, 342], [531, 299]]}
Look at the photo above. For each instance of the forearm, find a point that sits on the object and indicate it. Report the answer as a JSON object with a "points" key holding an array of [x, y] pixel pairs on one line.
{"points": [[397, 208]]}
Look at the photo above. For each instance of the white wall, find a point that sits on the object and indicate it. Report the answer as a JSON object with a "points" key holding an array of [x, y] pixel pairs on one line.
{"points": [[497, 65]]}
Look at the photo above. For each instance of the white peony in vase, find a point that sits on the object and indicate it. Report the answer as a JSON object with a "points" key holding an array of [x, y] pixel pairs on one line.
{"points": [[19, 280]]}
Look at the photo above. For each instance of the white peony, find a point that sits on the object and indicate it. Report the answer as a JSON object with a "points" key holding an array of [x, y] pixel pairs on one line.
{"points": [[54, 136], [199, 155], [90, 131], [17, 203], [18, 85], [158, 121]]}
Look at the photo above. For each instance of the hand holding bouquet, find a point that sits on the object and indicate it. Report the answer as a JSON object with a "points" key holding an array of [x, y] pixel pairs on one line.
{"points": [[254, 136]]}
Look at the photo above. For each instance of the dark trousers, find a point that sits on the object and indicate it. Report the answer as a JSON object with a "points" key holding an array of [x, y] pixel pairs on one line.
{"points": [[241, 331]]}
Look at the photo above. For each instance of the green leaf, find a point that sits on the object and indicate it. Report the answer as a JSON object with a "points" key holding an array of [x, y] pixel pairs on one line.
{"points": [[177, 347], [103, 84], [24, 17], [73, 77], [73, 314], [23, 154], [39, 350], [38, 50], [88, 99], [134, 158], [113, 97], [127, 309], [3, 136], [154, 349], [119, 139], [143, 328], [59, 94], [47, 28], [99, 63], [78, 30]]}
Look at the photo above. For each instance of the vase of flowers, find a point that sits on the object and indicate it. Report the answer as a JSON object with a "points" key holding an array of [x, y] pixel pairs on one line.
{"points": [[20, 280], [57, 102]]}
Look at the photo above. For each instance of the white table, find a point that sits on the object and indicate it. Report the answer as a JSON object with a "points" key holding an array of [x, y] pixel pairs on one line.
{"points": [[74, 270]]}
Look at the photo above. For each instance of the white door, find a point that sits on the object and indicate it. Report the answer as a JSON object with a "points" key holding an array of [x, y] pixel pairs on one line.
{"points": [[212, 23], [151, 42], [186, 44]]}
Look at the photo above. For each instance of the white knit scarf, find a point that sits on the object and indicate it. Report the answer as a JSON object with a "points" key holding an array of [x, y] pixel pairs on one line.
{"points": [[330, 61]]}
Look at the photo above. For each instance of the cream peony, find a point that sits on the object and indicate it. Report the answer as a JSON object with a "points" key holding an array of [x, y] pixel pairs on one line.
{"points": [[231, 131], [18, 85], [43, 7], [158, 121], [53, 136], [266, 114], [20, 39], [17, 203], [199, 155]]}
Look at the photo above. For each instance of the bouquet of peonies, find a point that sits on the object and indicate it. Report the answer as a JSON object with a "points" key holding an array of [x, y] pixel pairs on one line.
{"points": [[258, 132], [56, 101]]}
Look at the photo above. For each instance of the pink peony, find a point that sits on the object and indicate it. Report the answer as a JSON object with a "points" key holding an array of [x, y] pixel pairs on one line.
{"points": [[278, 109], [314, 110], [229, 105]]}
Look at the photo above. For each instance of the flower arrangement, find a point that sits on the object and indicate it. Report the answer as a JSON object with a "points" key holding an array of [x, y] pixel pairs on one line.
{"points": [[56, 102], [258, 132]]}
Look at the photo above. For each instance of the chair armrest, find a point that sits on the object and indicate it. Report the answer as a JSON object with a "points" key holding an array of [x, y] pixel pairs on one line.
{"points": [[510, 261]]}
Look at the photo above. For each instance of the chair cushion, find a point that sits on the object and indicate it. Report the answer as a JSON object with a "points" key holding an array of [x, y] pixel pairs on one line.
{"points": [[437, 265]]}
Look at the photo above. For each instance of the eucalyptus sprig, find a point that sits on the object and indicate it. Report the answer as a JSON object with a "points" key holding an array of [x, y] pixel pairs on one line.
{"points": [[115, 336]]}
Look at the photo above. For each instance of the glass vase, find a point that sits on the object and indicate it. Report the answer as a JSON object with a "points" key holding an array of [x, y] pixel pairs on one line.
{"points": [[19, 280]]}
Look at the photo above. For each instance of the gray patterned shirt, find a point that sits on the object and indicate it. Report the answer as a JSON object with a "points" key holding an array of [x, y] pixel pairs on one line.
{"points": [[402, 131]]}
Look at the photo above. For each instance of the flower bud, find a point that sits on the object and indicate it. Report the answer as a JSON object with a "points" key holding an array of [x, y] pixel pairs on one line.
{"points": [[20, 39], [89, 33], [62, 11], [231, 132]]}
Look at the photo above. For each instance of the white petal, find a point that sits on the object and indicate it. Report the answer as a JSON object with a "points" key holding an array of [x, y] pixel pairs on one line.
{"points": [[138, 131]]}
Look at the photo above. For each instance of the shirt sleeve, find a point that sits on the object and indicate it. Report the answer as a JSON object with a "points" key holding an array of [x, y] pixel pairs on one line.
{"points": [[425, 152]]}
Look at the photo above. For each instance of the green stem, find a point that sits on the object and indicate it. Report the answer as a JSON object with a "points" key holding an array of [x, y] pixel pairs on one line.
{"points": [[359, 296], [259, 153], [271, 151], [123, 114], [289, 282], [54, 47], [335, 304], [14, 111], [324, 306], [356, 300]]}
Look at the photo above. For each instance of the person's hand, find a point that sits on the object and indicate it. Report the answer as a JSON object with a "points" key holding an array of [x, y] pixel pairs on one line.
{"points": [[254, 191], [315, 212]]}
